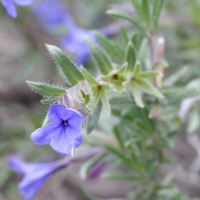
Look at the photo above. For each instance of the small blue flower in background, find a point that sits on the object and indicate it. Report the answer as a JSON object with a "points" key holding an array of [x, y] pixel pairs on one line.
{"points": [[35, 175], [64, 131], [74, 41], [10, 5], [52, 14]]}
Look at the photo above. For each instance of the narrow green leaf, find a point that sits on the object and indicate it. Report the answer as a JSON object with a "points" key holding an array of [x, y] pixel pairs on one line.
{"points": [[130, 57], [133, 140], [69, 69], [175, 77], [45, 89], [137, 95], [157, 7], [105, 101], [116, 153], [124, 34], [118, 136], [134, 39], [149, 88], [137, 68], [92, 120], [138, 8], [88, 76], [149, 74], [125, 16], [86, 166], [146, 14], [102, 60], [119, 176], [111, 47]]}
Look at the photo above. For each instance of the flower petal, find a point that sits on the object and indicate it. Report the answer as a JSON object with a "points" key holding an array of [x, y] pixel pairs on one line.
{"points": [[70, 137], [45, 134], [61, 144], [75, 117], [23, 2], [77, 140], [10, 8], [17, 164], [29, 187]]}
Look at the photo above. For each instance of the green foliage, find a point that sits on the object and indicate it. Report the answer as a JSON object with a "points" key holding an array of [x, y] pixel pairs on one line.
{"points": [[101, 59], [45, 89], [69, 69]]}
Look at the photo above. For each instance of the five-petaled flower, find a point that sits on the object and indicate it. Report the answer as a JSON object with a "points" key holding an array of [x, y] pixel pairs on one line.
{"points": [[64, 131], [10, 5], [35, 175]]}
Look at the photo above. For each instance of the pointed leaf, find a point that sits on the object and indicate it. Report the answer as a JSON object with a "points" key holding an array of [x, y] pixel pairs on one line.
{"points": [[102, 60], [137, 95], [125, 16], [130, 57], [124, 34], [149, 74], [45, 89], [92, 120], [119, 176], [157, 7], [105, 101], [69, 69], [149, 88], [137, 68], [134, 39], [146, 14], [88, 76], [111, 47]]}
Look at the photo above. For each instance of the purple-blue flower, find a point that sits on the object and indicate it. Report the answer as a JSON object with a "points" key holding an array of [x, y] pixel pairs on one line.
{"points": [[64, 131], [35, 175], [75, 41], [10, 5], [52, 14]]}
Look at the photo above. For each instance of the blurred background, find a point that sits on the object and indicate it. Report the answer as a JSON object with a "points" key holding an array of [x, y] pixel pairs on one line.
{"points": [[63, 23]]}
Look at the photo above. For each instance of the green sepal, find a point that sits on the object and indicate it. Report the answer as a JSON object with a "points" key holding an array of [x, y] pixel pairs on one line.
{"points": [[69, 69], [102, 60], [136, 95], [130, 57], [45, 89], [149, 88], [137, 68], [46, 120], [88, 76], [111, 47], [105, 101], [92, 120], [116, 78]]}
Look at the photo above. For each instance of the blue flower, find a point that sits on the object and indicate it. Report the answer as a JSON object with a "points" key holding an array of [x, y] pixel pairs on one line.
{"points": [[52, 14], [64, 131], [74, 41], [10, 5], [34, 174]]}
